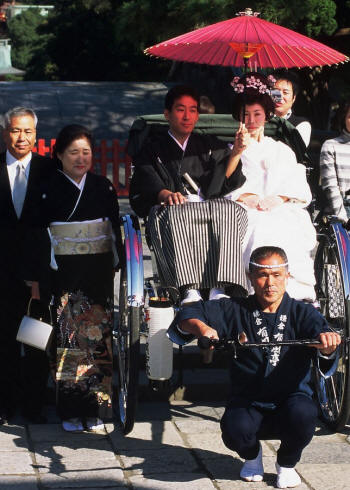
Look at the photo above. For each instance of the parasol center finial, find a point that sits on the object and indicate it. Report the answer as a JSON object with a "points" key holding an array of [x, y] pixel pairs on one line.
{"points": [[246, 50], [249, 12]]}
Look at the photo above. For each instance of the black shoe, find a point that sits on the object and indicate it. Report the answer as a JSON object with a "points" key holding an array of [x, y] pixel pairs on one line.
{"points": [[6, 414], [35, 418]]}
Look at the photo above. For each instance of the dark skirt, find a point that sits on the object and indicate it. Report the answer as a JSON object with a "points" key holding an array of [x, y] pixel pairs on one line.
{"points": [[199, 244], [83, 287]]}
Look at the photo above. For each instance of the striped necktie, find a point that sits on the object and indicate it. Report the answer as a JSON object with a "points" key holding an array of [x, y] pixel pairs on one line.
{"points": [[19, 189]]}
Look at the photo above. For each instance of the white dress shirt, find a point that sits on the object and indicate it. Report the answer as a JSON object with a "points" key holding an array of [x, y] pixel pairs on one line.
{"points": [[11, 164]]}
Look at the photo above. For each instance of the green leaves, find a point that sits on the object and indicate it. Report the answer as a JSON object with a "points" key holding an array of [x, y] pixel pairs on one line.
{"points": [[309, 17], [24, 31], [105, 39]]}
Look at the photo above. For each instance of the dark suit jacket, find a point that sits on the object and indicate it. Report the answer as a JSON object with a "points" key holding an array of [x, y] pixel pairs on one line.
{"points": [[18, 237]]}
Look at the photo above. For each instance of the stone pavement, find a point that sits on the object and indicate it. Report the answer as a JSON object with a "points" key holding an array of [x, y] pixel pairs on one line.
{"points": [[173, 446]]}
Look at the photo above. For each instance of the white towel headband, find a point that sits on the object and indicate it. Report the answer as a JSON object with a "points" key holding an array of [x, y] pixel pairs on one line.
{"points": [[265, 266]]}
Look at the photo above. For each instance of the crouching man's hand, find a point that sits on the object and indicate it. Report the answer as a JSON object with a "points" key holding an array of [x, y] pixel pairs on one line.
{"points": [[198, 328], [329, 342]]}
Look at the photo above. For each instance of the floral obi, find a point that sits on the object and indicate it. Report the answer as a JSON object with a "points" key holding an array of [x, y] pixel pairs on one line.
{"points": [[81, 237]]}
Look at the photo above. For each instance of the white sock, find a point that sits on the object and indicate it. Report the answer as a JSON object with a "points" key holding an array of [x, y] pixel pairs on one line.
{"points": [[94, 423], [253, 469], [217, 293], [287, 477]]}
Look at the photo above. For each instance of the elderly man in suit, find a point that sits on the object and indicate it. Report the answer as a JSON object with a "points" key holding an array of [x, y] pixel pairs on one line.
{"points": [[23, 372]]}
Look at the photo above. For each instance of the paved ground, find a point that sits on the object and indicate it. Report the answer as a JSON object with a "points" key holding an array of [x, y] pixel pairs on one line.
{"points": [[173, 446]]}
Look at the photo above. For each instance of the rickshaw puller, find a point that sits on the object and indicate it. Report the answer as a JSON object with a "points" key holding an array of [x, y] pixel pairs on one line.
{"points": [[269, 386]]}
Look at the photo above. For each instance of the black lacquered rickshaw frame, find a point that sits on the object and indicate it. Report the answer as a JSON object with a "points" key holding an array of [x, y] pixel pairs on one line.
{"points": [[332, 237], [126, 336], [332, 385]]}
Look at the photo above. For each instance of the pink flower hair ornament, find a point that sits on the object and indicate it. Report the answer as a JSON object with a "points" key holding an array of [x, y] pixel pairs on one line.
{"points": [[239, 84]]}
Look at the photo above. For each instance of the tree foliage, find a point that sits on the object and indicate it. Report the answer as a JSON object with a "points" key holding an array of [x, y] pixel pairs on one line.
{"points": [[25, 37], [343, 13], [310, 17], [81, 43], [104, 40], [34, 2]]}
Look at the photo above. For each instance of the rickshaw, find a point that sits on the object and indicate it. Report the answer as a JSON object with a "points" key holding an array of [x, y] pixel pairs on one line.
{"points": [[332, 271]]}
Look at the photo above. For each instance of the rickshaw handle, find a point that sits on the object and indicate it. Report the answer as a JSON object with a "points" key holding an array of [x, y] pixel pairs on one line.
{"points": [[225, 344]]}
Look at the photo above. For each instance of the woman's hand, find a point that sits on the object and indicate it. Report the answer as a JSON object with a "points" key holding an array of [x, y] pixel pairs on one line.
{"points": [[250, 200], [269, 202], [35, 290], [242, 140], [169, 198]]}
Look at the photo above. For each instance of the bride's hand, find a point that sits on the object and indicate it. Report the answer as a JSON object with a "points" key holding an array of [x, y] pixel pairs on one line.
{"points": [[269, 202], [242, 140], [250, 200]]}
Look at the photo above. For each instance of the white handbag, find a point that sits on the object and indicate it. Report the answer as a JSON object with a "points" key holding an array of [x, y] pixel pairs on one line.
{"points": [[33, 332]]}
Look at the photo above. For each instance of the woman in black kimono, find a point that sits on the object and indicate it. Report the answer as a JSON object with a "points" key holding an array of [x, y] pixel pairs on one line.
{"points": [[81, 209]]}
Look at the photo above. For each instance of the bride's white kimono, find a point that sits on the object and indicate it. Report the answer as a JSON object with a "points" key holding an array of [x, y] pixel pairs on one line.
{"points": [[271, 169]]}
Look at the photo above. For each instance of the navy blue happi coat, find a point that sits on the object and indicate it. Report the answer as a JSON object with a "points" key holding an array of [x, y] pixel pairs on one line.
{"points": [[264, 376]]}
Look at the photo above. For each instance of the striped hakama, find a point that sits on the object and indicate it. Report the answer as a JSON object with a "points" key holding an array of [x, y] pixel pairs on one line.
{"points": [[199, 243]]}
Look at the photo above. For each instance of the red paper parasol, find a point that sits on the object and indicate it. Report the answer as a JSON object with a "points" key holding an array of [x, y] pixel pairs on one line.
{"points": [[247, 41]]}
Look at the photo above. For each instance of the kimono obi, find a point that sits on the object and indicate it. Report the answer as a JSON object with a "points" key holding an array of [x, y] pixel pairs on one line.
{"points": [[81, 237]]}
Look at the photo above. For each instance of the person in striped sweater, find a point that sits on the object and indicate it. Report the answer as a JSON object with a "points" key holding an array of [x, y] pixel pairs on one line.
{"points": [[335, 168]]}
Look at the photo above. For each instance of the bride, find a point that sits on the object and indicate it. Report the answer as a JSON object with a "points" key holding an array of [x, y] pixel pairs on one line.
{"points": [[275, 193]]}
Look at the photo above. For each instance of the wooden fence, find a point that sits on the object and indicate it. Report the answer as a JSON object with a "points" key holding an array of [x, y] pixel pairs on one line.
{"points": [[110, 159]]}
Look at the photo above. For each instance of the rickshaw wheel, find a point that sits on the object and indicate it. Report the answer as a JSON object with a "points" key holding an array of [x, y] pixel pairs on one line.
{"points": [[333, 387], [127, 344]]}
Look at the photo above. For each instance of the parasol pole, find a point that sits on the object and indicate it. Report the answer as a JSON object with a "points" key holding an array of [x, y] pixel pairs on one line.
{"points": [[246, 54], [246, 51], [245, 59]]}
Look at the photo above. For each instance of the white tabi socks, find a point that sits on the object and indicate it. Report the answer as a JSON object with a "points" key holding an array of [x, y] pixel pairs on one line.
{"points": [[287, 477], [192, 295], [253, 469], [217, 293]]}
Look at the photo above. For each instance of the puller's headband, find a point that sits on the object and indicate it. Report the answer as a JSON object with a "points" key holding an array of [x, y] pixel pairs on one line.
{"points": [[265, 266]]}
